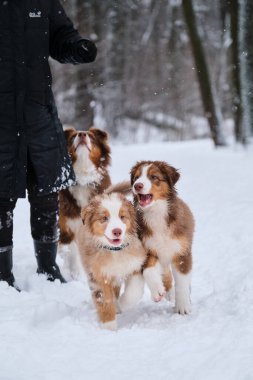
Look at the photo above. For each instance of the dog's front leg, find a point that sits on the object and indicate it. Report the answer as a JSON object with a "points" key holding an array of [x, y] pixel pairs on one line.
{"points": [[181, 267], [153, 276], [133, 292], [104, 300]]}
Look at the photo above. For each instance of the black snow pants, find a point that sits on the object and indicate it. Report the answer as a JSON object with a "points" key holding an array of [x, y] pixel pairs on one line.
{"points": [[43, 208], [43, 219]]}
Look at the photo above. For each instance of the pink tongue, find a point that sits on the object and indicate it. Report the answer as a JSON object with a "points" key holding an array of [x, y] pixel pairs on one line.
{"points": [[145, 199]]}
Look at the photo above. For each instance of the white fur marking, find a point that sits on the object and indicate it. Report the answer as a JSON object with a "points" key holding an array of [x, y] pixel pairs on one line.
{"points": [[112, 325], [85, 170], [182, 292], [72, 260], [153, 278], [122, 265], [81, 194], [144, 180], [113, 205], [160, 241], [133, 292], [74, 224]]}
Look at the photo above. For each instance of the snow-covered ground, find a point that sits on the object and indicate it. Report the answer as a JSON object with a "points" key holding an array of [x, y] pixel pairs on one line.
{"points": [[50, 332]]}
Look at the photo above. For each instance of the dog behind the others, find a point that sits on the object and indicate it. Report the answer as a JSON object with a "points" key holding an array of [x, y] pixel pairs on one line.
{"points": [[90, 154]]}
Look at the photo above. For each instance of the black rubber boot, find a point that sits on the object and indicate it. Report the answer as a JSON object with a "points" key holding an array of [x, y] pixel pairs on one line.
{"points": [[45, 253], [6, 267]]}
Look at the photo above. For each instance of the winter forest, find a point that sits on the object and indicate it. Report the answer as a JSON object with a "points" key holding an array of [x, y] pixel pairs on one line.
{"points": [[167, 70], [173, 80]]}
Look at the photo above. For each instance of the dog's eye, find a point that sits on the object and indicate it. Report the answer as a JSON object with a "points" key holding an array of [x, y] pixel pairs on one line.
{"points": [[123, 217], [104, 219], [154, 177]]}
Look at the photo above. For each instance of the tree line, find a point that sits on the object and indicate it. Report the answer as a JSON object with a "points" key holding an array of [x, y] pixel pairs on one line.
{"points": [[162, 65]]}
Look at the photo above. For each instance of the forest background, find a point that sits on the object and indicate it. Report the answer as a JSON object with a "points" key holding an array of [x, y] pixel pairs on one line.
{"points": [[166, 70]]}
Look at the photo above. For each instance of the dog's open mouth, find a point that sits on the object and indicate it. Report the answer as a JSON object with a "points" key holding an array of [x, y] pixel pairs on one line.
{"points": [[114, 242], [145, 199]]}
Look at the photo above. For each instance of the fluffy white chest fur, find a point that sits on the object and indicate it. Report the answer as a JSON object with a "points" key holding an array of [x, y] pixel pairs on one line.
{"points": [[81, 194], [74, 224], [86, 174], [161, 241], [85, 170], [121, 265]]}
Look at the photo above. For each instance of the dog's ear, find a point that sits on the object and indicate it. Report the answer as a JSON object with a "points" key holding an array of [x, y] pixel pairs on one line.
{"points": [[102, 135], [68, 132], [133, 172], [171, 173]]}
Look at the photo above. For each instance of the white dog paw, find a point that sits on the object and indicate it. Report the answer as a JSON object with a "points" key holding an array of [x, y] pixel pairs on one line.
{"points": [[158, 295], [112, 325], [170, 295], [183, 307], [123, 304]]}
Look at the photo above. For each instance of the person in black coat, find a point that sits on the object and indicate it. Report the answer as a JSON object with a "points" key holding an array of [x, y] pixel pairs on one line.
{"points": [[33, 153]]}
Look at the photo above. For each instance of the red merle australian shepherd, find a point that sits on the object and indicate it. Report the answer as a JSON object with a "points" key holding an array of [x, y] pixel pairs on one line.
{"points": [[90, 154], [166, 228]]}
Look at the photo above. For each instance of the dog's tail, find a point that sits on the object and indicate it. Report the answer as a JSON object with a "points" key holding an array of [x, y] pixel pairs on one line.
{"points": [[124, 188]]}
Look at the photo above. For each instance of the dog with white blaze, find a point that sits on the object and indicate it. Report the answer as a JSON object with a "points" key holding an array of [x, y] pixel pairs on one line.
{"points": [[90, 155], [166, 227], [112, 254]]}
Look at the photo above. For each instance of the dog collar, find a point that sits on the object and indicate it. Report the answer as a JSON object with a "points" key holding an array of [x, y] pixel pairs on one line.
{"points": [[107, 247]]}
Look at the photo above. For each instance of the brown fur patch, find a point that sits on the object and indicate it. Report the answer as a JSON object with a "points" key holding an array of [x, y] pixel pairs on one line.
{"points": [[104, 302], [183, 263], [167, 280], [151, 259]]}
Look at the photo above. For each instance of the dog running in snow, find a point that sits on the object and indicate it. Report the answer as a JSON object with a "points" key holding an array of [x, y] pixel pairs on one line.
{"points": [[111, 254], [166, 227], [90, 154]]}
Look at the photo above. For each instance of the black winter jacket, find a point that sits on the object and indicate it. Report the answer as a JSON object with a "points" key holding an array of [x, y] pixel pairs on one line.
{"points": [[30, 31]]}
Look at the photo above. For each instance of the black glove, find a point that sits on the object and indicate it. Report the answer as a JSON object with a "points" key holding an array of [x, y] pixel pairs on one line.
{"points": [[86, 50]]}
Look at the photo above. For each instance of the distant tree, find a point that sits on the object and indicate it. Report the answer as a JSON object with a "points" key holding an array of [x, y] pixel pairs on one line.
{"points": [[84, 97], [246, 63], [230, 10], [211, 108]]}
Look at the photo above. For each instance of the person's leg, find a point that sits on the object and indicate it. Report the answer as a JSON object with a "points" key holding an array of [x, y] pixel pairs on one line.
{"points": [[44, 229], [6, 239]]}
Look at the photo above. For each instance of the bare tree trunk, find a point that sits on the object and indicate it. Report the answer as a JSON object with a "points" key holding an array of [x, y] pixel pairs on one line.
{"points": [[233, 8], [246, 63], [84, 112], [212, 111], [114, 66]]}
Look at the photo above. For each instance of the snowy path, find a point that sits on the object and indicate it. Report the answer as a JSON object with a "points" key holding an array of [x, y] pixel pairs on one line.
{"points": [[49, 331]]}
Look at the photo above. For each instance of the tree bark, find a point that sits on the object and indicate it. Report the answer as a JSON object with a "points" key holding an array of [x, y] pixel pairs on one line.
{"points": [[246, 64], [211, 109], [233, 7], [84, 111]]}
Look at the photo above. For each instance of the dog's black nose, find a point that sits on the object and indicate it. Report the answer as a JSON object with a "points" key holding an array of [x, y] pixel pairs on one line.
{"points": [[138, 186]]}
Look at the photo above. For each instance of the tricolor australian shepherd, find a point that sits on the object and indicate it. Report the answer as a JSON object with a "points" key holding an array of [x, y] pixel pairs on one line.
{"points": [[111, 254], [166, 227], [90, 154]]}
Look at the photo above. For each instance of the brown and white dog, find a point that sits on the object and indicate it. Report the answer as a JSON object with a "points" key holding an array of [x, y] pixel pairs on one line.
{"points": [[111, 254], [90, 154], [166, 227]]}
